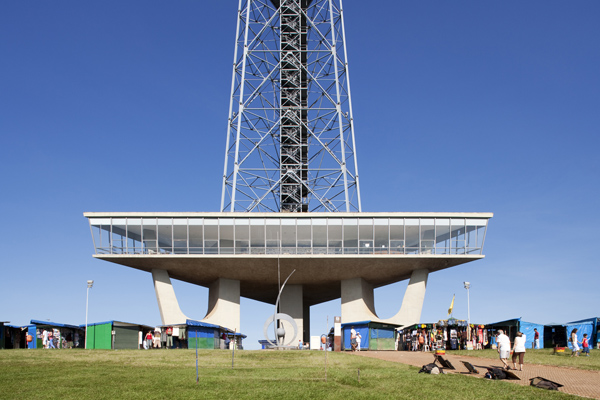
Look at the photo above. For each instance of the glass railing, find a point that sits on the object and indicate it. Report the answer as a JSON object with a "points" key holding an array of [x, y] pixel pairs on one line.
{"points": [[367, 251]]}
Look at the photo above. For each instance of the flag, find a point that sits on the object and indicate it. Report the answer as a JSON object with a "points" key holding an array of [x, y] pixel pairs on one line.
{"points": [[451, 306]]}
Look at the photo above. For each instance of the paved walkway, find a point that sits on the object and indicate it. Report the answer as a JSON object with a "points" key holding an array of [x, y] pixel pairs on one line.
{"points": [[578, 382]]}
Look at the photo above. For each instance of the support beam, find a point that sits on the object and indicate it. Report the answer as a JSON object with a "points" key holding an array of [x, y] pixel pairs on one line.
{"points": [[412, 304], [224, 304], [358, 302], [291, 304], [170, 313]]}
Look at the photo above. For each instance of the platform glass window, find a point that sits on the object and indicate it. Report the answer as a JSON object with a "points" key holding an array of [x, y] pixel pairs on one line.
{"points": [[350, 236], [257, 235], [427, 235], [381, 227], [365, 235], [149, 235], [226, 236], [118, 235], [196, 235], [211, 236], [442, 236], [334, 235], [180, 235], [165, 235], [304, 232], [288, 235], [273, 235], [100, 233], [134, 235], [319, 235], [397, 235], [457, 242], [412, 235], [242, 235]]}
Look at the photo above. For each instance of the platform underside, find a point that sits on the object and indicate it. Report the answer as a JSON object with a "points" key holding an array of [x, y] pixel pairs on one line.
{"points": [[320, 276]]}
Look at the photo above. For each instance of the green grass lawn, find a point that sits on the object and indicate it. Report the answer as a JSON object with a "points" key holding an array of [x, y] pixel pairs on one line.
{"points": [[162, 374], [543, 357]]}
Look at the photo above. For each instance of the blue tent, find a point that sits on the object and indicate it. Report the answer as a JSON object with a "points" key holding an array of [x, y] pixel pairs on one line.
{"points": [[512, 326], [589, 326]]}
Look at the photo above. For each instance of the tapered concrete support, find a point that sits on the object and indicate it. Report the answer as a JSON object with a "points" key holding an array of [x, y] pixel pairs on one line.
{"points": [[224, 304], [290, 303], [358, 303], [412, 304], [170, 313]]}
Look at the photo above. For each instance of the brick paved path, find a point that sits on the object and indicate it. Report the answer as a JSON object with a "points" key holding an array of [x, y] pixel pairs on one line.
{"points": [[578, 382]]}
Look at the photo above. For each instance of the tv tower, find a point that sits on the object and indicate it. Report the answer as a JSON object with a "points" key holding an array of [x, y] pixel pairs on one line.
{"points": [[290, 132]]}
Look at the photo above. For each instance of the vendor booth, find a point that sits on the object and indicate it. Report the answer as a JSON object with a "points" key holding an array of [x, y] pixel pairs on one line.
{"points": [[589, 326], [16, 337], [58, 336], [115, 335], [374, 335], [202, 335], [512, 326]]}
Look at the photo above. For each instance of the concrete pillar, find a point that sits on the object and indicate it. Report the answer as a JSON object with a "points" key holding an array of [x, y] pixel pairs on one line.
{"points": [[358, 302], [290, 303], [412, 304], [224, 304], [170, 313]]}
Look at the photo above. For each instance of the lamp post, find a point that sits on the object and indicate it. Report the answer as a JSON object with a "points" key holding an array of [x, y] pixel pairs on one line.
{"points": [[89, 286], [467, 286]]}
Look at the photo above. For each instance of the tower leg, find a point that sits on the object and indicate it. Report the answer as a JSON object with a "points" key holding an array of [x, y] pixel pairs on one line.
{"points": [[224, 304], [412, 304], [358, 302], [291, 304], [170, 313]]}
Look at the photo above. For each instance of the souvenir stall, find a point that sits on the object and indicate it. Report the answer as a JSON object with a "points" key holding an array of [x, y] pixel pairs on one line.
{"points": [[418, 337], [58, 336], [589, 326], [114, 335], [374, 335], [453, 333], [512, 326]]}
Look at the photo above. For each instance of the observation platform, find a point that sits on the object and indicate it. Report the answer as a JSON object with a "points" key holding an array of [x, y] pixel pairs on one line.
{"points": [[335, 255]]}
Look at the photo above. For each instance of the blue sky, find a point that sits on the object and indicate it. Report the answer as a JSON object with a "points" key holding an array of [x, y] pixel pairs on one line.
{"points": [[463, 106]]}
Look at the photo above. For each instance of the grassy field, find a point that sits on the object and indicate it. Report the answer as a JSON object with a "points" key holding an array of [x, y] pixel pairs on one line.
{"points": [[544, 357], [161, 374]]}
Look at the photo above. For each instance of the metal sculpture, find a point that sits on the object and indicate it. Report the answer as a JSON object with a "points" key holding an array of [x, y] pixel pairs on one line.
{"points": [[276, 318], [290, 133]]}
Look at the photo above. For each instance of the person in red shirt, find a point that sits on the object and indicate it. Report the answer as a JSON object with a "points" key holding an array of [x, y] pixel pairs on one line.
{"points": [[536, 338]]}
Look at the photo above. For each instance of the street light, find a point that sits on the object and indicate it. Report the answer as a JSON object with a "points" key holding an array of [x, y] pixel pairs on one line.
{"points": [[89, 286], [467, 286]]}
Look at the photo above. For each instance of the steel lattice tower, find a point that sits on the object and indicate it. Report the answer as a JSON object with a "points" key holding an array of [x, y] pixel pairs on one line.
{"points": [[290, 133]]}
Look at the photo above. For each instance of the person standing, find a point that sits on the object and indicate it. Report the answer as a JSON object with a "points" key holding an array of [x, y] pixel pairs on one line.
{"points": [[518, 351], [353, 339], [149, 340], [575, 343], [503, 347], [169, 337], [536, 339], [45, 338], [358, 339]]}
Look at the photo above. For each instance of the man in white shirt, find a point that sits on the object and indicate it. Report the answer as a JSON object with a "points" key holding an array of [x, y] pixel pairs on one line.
{"points": [[353, 339], [503, 347]]}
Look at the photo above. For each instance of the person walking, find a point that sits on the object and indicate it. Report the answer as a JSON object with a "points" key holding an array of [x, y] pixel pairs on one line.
{"points": [[585, 345], [518, 351], [575, 343], [503, 347]]}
